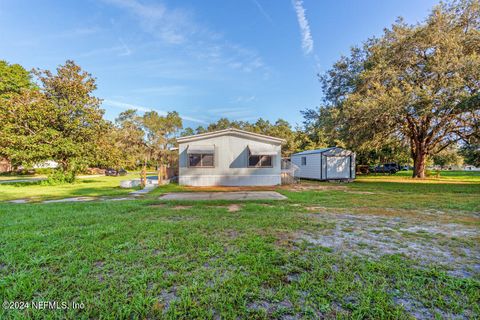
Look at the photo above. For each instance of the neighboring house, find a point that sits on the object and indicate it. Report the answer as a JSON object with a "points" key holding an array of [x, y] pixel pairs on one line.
{"points": [[5, 165], [230, 157], [325, 164]]}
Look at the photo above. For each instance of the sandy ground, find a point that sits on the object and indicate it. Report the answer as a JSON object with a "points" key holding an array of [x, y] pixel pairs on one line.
{"points": [[421, 237]]}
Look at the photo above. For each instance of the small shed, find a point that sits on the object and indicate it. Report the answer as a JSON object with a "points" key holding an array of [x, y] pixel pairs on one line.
{"points": [[325, 164]]}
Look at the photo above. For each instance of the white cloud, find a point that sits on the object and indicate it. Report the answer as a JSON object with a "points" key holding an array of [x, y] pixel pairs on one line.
{"points": [[123, 105], [241, 99], [307, 41], [239, 113], [170, 25], [126, 49], [120, 50], [178, 27]]}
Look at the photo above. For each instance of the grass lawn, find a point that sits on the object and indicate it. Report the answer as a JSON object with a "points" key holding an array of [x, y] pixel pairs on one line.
{"points": [[93, 186], [383, 247]]}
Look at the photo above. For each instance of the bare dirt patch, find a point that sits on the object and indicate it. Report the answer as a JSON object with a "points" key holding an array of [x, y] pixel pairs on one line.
{"points": [[234, 208], [231, 208], [158, 205], [166, 299], [181, 207], [313, 187], [452, 245]]}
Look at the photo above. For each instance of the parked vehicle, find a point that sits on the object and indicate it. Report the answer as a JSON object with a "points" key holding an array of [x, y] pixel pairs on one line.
{"points": [[114, 172], [390, 168]]}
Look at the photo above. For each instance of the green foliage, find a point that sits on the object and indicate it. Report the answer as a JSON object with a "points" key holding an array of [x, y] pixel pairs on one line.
{"points": [[60, 120], [448, 157], [59, 177], [184, 259], [471, 152], [13, 79], [295, 140], [160, 133], [416, 85]]}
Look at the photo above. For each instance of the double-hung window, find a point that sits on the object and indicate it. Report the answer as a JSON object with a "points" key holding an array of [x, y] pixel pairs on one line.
{"points": [[200, 160]]}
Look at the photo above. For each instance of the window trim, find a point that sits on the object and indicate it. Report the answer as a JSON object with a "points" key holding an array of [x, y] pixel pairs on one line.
{"points": [[260, 161], [201, 160]]}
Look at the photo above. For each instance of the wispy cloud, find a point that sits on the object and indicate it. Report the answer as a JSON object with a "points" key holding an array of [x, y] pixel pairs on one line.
{"points": [[307, 41], [62, 35], [262, 11], [178, 27], [170, 25], [242, 99], [126, 49], [123, 105], [240, 113]]}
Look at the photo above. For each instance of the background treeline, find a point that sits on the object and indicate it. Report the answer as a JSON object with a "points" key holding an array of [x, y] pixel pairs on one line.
{"points": [[410, 96]]}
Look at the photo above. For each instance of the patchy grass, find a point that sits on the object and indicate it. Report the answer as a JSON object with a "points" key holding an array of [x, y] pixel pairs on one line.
{"points": [[457, 191], [323, 253]]}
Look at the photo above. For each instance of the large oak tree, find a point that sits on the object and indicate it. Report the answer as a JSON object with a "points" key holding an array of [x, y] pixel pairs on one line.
{"points": [[417, 84]]}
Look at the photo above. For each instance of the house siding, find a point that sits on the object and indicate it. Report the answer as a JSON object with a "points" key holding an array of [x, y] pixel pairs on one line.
{"points": [[309, 171], [230, 164]]}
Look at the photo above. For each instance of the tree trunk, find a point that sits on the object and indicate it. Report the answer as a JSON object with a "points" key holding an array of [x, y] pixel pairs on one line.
{"points": [[143, 175], [160, 174], [419, 162]]}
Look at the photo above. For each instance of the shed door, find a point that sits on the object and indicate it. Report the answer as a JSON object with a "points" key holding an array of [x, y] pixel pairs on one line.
{"points": [[338, 167]]}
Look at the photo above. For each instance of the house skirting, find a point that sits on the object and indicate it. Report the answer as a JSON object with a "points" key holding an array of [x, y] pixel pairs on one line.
{"points": [[227, 180]]}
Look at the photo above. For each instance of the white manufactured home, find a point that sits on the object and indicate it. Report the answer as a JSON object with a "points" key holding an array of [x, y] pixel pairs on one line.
{"points": [[230, 157], [325, 164]]}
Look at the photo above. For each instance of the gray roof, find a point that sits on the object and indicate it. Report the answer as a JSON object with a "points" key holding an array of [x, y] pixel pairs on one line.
{"points": [[313, 151], [329, 152], [243, 133]]}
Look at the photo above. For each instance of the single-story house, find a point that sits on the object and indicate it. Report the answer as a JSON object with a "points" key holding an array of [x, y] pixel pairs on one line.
{"points": [[325, 164], [230, 157]]}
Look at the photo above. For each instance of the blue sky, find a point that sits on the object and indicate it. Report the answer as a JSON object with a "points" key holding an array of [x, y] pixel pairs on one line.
{"points": [[240, 59]]}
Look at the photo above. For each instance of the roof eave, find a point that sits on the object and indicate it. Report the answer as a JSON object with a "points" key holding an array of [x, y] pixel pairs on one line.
{"points": [[226, 131]]}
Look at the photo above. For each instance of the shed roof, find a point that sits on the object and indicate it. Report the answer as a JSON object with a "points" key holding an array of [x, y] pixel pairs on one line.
{"points": [[312, 151], [329, 152], [234, 131]]}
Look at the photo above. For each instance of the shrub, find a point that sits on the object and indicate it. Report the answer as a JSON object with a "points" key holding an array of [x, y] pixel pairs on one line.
{"points": [[59, 177]]}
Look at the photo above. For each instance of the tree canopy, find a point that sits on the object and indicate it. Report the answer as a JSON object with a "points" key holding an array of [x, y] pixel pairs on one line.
{"points": [[280, 129], [59, 120], [417, 86]]}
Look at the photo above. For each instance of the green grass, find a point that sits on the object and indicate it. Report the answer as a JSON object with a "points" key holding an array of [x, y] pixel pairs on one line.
{"points": [[452, 191], [151, 259], [87, 186]]}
